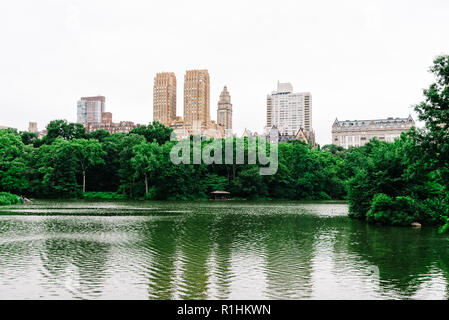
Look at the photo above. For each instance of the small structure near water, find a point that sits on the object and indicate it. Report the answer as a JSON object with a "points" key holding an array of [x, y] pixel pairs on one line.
{"points": [[220, 195], [25, 200]]}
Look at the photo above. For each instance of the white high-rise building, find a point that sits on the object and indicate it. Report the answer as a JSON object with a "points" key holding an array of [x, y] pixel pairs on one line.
{"points": [[289, 111]]}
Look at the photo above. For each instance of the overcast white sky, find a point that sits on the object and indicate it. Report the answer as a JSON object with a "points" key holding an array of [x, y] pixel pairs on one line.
{"points": [[359, 59]]}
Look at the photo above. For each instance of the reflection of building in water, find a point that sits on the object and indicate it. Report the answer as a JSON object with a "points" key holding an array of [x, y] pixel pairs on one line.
{"points": [[358, 132]]}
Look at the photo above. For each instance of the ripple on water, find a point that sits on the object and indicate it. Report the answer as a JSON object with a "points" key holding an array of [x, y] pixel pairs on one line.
{"points": [[232, 250]]}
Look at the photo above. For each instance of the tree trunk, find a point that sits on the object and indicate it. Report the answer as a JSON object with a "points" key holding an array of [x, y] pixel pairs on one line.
{"points": [[146, 184], [84, 181]]}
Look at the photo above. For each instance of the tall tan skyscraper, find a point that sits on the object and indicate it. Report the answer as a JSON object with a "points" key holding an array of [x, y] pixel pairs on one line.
{"points": [[164, 98], [224, 111], [197, 96]]}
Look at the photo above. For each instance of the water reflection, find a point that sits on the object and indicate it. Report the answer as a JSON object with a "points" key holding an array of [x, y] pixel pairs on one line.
{"points": [[214, 251], [405, 257], [159, 242]]}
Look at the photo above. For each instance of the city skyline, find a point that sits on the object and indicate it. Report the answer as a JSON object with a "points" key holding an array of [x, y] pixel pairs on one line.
{"points": [[359, 59]]}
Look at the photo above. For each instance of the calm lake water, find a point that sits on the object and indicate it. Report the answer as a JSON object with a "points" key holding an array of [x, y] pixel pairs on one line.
{"points": [[213, 250]]}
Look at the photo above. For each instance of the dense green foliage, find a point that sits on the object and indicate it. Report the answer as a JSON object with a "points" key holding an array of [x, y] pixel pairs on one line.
{"points": [[68, 162], [393, 184], [13, 162], [388, 183], [8, 198]]}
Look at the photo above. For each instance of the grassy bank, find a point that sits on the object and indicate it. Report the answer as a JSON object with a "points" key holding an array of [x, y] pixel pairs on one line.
{"points": [[8, 198]]}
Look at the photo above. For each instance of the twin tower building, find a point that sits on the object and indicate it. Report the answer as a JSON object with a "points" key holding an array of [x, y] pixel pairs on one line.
{"points": [[196, 117]]}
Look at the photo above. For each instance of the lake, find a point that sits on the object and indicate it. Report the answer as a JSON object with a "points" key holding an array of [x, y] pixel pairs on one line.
{"points": [[213, 250]]}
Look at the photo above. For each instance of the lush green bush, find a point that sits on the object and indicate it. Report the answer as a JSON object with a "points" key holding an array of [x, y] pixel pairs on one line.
{"points": [[378, 168], [392, 211], [8, 198], [434, 210], [392, 184]]}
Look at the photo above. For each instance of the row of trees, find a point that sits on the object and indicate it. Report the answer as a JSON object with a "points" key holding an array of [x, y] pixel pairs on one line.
{"points": [[68, 162], [391, 183]]}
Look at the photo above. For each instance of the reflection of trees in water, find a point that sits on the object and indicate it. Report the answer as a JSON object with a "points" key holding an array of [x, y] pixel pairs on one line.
{"points": [[159, 238], [285, 243], [441, 254], [224, 231], [182, 248], [288, 244], [287, 254], [195, 245], [12, 253], [77, 264], [403, 255], [289, 251], [187, 241]]}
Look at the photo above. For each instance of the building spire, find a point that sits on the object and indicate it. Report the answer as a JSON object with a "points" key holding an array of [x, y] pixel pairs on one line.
{"points": [[224, 111]]}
